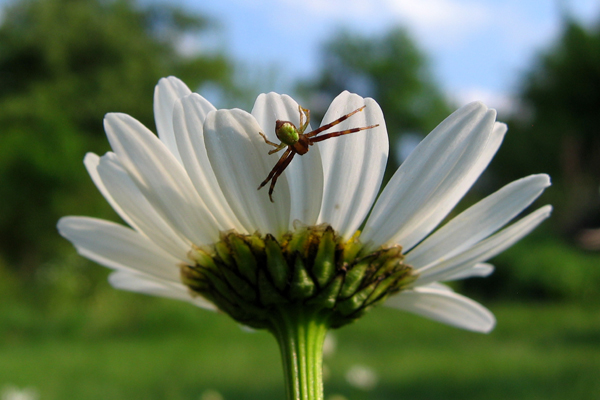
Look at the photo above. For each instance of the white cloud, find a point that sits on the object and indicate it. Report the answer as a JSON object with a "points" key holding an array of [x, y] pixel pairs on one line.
{"points": [[438, 21], [442, 21], [336, 9]]}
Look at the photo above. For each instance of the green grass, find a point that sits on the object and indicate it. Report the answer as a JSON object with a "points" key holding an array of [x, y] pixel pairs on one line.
{"points": [[172, 351]]}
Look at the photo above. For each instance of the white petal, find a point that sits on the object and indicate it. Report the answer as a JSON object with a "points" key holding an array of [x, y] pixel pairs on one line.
{"points": [[114, 182], [236, 152], [437, 286], [167, 92], [478, 270], [353, 164], [188, 119], [434, 177], [305, 173], [478, 222], [142, 283], [483, 250], [117, 247], [91, 162], [161, 178], [445, 306]]}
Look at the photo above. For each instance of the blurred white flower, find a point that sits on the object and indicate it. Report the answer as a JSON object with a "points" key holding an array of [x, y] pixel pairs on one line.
{"points": [[11, 392], [179, 191], [211, 394], [362, 377]]}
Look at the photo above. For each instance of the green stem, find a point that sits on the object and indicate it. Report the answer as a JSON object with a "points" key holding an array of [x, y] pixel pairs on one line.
{"points": [[300, 332]]}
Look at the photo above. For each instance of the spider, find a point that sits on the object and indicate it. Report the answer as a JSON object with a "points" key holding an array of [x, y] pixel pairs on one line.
{"points": [[298, 142]]}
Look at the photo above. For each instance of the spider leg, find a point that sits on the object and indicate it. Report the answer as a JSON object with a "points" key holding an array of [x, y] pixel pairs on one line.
{"points": [[280, 170], [275, 168], [334, 123], [279, 148], [340, 133], [267, 141], [303, 112]]}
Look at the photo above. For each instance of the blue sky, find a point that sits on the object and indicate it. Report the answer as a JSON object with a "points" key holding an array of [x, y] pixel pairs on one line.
{"points": [[478, 50]]}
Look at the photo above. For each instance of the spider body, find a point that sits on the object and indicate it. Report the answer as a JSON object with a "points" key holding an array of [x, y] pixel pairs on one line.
{"points": [[298, 142]]}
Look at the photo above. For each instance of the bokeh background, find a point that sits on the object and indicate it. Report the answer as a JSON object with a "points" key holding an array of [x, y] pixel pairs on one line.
{"points": [[66, 334]]}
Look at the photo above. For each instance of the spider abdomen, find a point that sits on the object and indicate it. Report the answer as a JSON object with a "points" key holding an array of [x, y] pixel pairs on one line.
{"points": [[286, 132]]}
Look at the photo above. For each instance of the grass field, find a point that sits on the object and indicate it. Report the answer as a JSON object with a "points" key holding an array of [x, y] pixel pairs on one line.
{"points": [[174, 351]]}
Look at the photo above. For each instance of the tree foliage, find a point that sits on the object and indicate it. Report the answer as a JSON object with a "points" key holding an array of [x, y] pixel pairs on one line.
{"points": [[557, 130], [63, 65]]}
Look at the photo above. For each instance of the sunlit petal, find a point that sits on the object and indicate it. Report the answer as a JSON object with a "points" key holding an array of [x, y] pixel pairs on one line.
{"points": [[353, 165], [236, 152], [188, 119], [161, 178], [434, 177], [479, 221], [445, 306], [483, 250], [117, 247], [478, 270], [167, 92], [127, 200], [146, 284]]}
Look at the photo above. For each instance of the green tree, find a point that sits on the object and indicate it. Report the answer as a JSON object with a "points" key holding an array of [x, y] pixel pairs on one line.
{"points": [[391, 69], [557, 129], [63, 65]]}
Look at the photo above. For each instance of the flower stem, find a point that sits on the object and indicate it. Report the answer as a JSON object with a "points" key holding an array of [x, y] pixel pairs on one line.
{"points": [[300, 332]]}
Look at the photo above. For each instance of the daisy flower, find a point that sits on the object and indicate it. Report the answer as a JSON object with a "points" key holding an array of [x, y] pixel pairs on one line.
{"points": [[201, 232]]}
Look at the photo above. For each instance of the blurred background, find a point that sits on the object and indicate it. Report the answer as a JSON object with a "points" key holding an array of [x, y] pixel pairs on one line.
{"points": [[65, 334]]}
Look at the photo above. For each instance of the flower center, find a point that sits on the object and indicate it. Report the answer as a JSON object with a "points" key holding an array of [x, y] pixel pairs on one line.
{"points": [[251, 276]]}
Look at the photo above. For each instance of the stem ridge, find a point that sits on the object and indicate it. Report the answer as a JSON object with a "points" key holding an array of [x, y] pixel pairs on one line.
{"points": [[300, 332]]}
